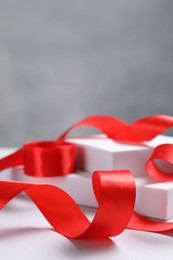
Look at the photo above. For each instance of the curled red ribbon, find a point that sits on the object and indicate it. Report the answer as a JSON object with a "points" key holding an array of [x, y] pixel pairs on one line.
{"points": [[114, 190], [115, 204], [162, 152]]}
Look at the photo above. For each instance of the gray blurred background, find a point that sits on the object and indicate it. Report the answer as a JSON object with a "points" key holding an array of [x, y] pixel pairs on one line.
{"points": [[62, 60]]}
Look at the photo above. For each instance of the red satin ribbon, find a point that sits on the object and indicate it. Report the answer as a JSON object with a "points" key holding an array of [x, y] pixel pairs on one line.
{"points": [[115, 204], [50, 158]]}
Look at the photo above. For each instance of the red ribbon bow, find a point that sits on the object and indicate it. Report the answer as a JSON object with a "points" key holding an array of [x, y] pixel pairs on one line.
{"points": [[114, 190]]}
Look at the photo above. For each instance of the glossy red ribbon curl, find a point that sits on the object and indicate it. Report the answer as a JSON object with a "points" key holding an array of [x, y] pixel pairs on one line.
{"points": [[115, 204]]}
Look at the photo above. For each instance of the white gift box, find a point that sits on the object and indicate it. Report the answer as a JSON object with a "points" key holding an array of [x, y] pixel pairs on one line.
{"points": [[154, 199], [101, 153]]}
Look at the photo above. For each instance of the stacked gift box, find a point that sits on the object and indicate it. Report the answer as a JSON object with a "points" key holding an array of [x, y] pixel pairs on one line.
{"points": [[153, 199]]}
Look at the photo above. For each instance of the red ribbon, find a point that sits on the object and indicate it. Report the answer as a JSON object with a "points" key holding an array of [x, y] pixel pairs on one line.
{"points": [[115, 204], [115, 190]]}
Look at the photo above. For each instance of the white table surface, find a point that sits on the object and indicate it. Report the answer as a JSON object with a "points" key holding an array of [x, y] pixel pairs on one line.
{"points": [[25, 234]]}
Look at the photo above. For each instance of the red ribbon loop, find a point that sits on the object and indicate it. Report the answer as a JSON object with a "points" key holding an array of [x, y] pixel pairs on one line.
{"points": [[115, 204], [162, 152], [106, 124]]}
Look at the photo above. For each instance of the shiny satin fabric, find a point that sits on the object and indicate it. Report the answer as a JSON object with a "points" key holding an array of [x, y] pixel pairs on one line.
{"points": [[115, 204], [115, 190]]}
